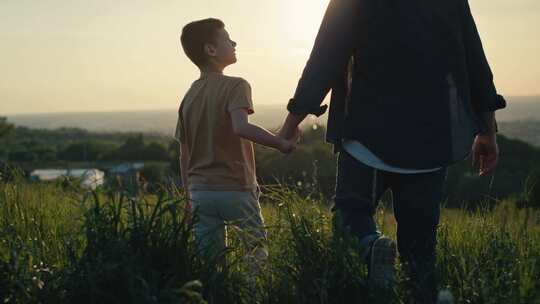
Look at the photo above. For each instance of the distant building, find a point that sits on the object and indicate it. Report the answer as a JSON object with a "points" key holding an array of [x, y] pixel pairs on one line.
{"points": [[48, 174], [90, 178], [126, 168], [126, 177]]}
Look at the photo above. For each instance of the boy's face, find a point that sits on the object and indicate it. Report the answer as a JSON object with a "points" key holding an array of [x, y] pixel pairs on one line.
{"points": [[223, 52]]}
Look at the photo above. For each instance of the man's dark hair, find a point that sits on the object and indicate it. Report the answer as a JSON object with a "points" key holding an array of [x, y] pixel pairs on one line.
{"points": [[198, 33]]}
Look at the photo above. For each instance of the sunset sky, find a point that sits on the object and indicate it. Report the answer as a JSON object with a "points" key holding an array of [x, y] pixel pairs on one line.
{"points": [[60, 55]]}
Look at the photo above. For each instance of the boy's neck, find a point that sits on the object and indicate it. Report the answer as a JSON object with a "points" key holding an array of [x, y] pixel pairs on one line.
{"points": [[211, 68]]}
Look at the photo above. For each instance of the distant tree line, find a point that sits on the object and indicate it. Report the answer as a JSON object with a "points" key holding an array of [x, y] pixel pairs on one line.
{"points": [[21, 144], [311, 169], [5, 127], [133, 149]]}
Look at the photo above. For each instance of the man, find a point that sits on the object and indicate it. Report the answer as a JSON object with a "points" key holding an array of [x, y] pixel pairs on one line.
{"points": [[412, 91]]}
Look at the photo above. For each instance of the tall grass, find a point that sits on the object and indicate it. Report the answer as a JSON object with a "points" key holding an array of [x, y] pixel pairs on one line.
{"points": [[62, 245]]}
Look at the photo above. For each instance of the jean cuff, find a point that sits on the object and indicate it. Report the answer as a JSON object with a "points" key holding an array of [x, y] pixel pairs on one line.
{"points": [[365, 243]]}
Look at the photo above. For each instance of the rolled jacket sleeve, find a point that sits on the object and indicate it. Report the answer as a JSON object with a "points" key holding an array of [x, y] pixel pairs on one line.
{"points": [[332, 49], [483, 93]]}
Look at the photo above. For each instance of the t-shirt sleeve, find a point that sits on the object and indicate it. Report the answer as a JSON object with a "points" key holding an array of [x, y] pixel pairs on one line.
{"points": [[240, 97]]}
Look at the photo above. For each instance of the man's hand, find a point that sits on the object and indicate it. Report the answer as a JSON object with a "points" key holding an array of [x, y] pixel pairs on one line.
{"points": [[288, 145], [485, 153]]}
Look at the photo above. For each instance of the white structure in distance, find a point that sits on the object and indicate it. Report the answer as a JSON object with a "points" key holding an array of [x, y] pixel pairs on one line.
{"points": [[90, 178]]}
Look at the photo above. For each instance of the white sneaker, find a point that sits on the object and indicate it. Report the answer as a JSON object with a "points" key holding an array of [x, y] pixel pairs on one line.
{"points": [[382, 262], [445, 297]]}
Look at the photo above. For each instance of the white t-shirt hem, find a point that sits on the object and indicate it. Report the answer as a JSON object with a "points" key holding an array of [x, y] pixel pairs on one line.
{"points": [[361, 153]]}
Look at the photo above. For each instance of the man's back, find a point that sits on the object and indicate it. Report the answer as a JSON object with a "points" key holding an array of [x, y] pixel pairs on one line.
{"points": [[219, 159], [420, 82], [409, 83]]}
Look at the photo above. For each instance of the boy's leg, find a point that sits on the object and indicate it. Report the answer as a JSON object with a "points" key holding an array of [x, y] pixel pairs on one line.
{"points": [[209, 226], [244, 211], [417, 199], [242, 208]]}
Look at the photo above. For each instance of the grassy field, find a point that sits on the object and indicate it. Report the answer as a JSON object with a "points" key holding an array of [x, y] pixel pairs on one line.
{"points": [[61, 245]]}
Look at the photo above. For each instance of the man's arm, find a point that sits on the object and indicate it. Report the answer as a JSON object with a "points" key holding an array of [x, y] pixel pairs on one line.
{"points": [[483, 93], [290, 126], [484, 97], [336, 39], [490, 121], [243, 128]]}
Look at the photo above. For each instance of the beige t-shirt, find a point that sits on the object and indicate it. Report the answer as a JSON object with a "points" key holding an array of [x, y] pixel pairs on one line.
{"points": [[219, 159]]}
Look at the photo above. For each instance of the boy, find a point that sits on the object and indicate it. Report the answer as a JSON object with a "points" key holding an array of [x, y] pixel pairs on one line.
{"points": [[217, 160]]}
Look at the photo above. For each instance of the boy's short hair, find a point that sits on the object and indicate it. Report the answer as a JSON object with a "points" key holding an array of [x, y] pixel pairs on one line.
{"points": [[198, 33]]}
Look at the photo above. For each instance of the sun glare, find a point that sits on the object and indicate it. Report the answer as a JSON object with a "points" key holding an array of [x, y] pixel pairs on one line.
{"points": [[302, 19]]}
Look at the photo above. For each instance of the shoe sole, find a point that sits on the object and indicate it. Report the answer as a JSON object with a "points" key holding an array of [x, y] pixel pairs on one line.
{"points": [[382, 263]]}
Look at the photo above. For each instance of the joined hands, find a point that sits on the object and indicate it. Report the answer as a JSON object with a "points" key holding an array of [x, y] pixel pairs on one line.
{"points": [[289, 140]]}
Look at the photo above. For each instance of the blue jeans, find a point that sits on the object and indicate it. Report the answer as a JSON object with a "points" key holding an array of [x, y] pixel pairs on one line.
{"points": [[416, 202]]}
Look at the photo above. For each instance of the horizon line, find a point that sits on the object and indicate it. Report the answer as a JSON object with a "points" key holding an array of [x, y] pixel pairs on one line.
{"points": [[167, 109]]}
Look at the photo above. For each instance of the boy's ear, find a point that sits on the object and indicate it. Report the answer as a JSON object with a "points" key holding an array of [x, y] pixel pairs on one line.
{"points": [[210, 49]]}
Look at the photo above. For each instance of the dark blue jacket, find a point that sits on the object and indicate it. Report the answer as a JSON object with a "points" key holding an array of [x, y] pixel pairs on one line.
{"points": [[418, 82]]}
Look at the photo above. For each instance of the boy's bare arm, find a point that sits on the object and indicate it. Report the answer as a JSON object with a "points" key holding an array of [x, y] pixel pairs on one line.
{"points": [[243, 128], [184, 158]]}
